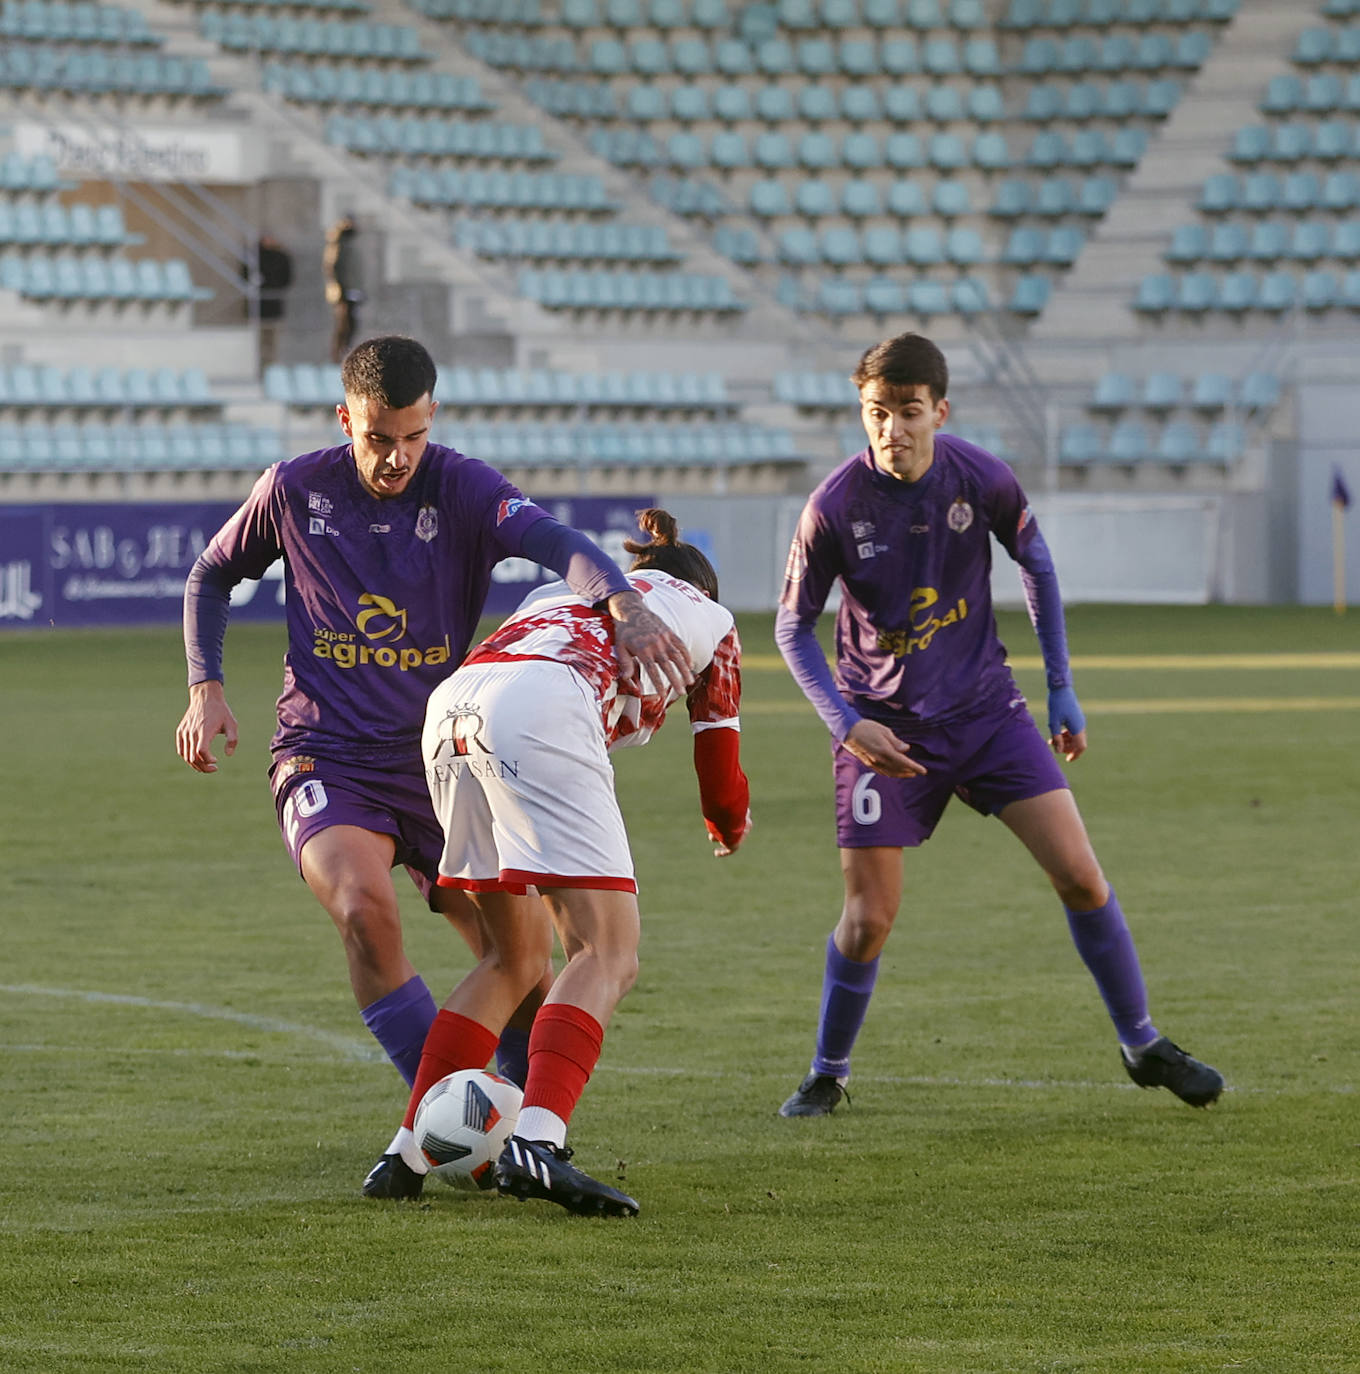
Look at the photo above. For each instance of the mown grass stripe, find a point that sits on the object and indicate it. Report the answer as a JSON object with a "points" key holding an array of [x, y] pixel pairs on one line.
{"points": [[1169, 706], [1142, 662]]}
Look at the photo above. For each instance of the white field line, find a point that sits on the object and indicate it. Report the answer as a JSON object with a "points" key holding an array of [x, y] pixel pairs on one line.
{"points": [[352, 1050]]}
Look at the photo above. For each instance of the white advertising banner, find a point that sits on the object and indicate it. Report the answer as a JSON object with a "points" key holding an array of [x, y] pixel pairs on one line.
{"points": [[142, 152]]}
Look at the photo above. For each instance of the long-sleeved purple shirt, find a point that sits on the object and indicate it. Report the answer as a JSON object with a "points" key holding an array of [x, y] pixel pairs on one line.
{"points": [[915, 638], [383, 596]]}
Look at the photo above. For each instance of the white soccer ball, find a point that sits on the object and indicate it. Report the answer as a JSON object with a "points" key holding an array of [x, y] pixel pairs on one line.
{"points": [[462, 1125]]}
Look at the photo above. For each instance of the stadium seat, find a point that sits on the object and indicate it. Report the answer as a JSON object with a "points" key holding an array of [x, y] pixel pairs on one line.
{"points": [[1319, 290], [1156, 294], [1114, 391], [922, 246], [1225, 443], [1178, 443], [1259, 391], [1163, 391], [1279, 292], [905, 199], [1129, 442], [1189, 244], [927, 298], [1029, 295], [860, 199], [1080, 445], [1239, 292], [1211, 391], [1197, 292]]}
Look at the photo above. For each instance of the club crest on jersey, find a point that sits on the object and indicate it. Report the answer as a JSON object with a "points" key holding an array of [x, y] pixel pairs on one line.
{"points": [[427, 523], [862, 529], [319, 504], [960, 515], [510, 507]]}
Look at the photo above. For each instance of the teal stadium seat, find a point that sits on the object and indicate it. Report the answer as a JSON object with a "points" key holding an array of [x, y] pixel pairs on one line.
{"points": [[1178, 443], [1239, 292], [1211, 391], [1156, 294], [1114, 391], [1080, 444], [1163, 391], [1029, 295], [1189, 244], [1130, 442]]}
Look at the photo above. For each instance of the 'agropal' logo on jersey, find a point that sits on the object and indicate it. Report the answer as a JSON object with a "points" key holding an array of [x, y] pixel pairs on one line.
{"points": [[381, 624], [926, 623]]}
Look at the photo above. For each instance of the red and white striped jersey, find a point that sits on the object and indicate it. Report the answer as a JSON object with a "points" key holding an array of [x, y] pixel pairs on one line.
{"points": [[552, 623]]}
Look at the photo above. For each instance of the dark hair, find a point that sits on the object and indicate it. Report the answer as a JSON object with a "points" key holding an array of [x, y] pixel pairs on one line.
{"points": [[392, 370], [666, 552], [907, 360]]}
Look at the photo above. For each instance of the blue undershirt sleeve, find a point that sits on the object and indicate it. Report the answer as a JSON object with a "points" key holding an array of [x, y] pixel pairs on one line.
{"points": [[796, 639], [207, 606], [1044, 601], [586, 568]]}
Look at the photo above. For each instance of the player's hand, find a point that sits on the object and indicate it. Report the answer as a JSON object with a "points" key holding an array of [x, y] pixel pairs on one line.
{"points": [[207, 717], [722, 848], [1066, 724], [874, 744], [642, 640]]}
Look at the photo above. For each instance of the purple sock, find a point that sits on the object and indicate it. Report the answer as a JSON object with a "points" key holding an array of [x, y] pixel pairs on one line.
{"points": [[399, 1022], [846, 989], [512, 1055], [1106, 947]]}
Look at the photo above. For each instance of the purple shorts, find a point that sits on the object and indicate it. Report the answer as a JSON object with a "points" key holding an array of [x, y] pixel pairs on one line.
{"points": [[989, 762], [310, 795]]}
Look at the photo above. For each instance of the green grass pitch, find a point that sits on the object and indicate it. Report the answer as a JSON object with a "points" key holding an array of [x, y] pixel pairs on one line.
{"points": [[190, 1100]]}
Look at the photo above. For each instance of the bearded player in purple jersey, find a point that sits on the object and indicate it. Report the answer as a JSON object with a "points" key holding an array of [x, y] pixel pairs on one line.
{"points": [[388, 543], [922, 705]]}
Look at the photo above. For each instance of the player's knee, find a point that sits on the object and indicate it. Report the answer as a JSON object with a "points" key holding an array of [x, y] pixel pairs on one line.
{"points": [[370, 928], [1084, 890], [863, 929]]}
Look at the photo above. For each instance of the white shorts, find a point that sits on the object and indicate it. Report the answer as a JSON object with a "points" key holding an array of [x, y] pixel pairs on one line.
{"points": [[521, 781]]}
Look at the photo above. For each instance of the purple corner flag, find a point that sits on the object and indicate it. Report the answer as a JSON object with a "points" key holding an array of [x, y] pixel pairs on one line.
{"points": [[1341, 493]]}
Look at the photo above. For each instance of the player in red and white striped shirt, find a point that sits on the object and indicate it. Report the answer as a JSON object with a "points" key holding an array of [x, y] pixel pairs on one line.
{"points": [[516, 750]]}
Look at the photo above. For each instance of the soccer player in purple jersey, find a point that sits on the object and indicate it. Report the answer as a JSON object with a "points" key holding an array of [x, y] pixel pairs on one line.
{"points": [[388, 542], [922, 704]]}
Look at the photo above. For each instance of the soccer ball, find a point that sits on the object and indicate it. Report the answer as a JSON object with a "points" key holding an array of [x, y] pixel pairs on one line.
{"points": [[462, 1125]]}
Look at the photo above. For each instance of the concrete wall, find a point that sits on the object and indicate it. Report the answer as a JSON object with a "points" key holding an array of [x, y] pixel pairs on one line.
{"points": [[1169, 550]]}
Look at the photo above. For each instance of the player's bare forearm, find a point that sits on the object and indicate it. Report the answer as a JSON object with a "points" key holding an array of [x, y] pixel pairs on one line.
{"points": [[208, 716], [643, 639], [878, 748]]}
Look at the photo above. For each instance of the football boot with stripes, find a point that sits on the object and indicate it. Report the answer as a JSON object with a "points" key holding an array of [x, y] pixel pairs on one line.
{"points": [[819, 1094], [535, 1168], [1163, 1064], [393, 1177]]}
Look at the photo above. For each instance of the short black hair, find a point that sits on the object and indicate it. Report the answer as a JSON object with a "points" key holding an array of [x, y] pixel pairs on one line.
{"points": [[668, 553], [907, 360], [392, 370]]}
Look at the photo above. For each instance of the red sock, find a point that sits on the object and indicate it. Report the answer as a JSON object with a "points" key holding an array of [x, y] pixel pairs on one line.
{"points": [[454, 1042], [564, 1046]]}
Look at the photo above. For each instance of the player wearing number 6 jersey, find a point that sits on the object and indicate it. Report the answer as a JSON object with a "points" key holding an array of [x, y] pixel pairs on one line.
{"points": [[516, 751], [922, 705]]}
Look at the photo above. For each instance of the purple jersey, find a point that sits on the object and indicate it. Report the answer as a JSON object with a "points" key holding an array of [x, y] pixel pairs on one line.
{"points": [[916, 639], [383, 596]]}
